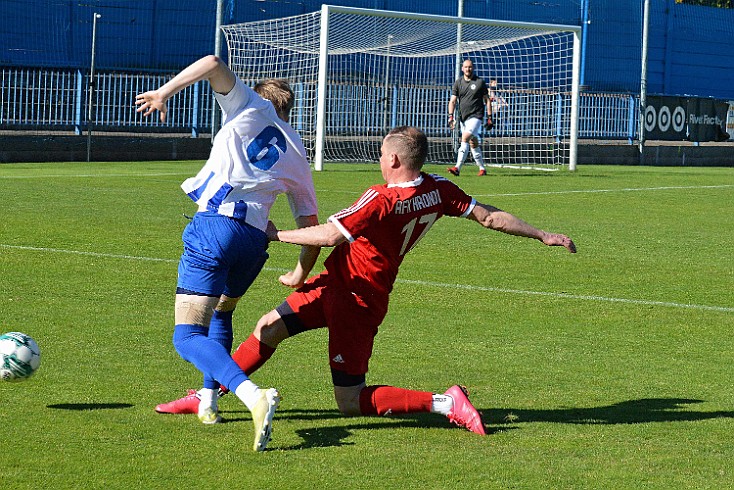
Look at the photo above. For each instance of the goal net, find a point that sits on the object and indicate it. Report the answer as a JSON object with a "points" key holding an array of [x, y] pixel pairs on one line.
{"points": [[356, 73]]}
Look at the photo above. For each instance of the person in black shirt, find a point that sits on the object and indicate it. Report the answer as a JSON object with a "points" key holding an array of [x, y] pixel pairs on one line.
{"points": [[473, 96]]}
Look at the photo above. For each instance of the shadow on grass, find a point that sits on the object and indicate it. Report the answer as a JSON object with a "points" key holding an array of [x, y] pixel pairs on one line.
{"points": [[90, 406], [501, 419], [628, 412]]}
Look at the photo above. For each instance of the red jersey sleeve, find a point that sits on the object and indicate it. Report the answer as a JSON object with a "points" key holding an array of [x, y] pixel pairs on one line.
{"points": [[455, 201], [362, 215]]}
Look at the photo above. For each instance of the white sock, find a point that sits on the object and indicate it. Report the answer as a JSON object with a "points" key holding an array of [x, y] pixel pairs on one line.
{"points": [[477, 154], [442, 404], [462, 154], [248, 392], [207, 399]]}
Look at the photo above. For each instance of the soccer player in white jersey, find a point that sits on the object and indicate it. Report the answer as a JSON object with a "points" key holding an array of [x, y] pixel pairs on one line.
{"points": [[255, 157], [350, 299]]}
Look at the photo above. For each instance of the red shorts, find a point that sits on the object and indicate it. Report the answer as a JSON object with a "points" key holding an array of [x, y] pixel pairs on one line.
{"points": [[352, 323]]}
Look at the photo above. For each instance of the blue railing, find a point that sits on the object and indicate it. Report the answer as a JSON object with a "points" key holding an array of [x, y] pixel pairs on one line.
{"points": [[59, 100], [35, 99]]}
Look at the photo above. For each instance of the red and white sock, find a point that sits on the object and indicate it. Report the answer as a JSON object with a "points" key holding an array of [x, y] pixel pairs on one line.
{"points": [[389, 400]]}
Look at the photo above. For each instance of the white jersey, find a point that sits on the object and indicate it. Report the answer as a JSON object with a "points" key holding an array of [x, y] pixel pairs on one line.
{"points": [[255, 157]]}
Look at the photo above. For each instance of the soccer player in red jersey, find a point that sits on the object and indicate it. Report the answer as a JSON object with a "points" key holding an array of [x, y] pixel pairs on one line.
{"points": [[350, 298]]}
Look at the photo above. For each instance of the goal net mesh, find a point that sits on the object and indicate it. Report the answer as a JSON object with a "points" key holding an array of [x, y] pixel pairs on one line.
{"points": [[387, 71]]}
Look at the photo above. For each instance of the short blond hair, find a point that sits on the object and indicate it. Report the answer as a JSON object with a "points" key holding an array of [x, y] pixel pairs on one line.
{"points": [[410, 143], [278, 91]]}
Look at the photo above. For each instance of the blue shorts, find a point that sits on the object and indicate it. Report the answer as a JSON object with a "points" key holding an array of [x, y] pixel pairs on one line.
{"points": [[221, 255]]}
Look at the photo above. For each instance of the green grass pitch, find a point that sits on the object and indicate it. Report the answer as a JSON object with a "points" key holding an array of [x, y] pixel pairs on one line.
{"points": [[611, 368]]}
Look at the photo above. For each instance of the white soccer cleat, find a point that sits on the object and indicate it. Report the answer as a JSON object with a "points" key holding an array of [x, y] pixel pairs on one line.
{"points": [[262, 417], [210, 416]]}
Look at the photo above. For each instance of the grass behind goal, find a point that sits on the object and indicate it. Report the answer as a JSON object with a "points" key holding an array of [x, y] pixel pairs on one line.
{"points": [[610, 368]]}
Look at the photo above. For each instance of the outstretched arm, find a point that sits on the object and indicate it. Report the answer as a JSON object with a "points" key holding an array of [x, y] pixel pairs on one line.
{"points": [[211, 68], [326, 235], [306, 259], [496, 219]]}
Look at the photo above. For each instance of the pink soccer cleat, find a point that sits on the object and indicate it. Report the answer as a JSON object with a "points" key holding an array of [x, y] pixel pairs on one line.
{"points": [[453, 171], [187, 404], [463, 413]]}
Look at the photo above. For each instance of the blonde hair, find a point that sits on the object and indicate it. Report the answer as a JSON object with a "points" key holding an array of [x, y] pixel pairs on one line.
{"points": [[279, 92]]}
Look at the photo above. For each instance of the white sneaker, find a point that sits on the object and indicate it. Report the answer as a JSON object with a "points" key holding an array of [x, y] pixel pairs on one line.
{"points": [[262, 417], [210, 416]]}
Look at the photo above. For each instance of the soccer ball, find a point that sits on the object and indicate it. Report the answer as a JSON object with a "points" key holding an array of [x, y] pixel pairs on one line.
{"points": [[19, 356]]}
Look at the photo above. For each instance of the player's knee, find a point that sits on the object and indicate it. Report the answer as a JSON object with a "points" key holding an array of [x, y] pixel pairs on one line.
{"points": [[271, 329], [185, 338], [347, 399]]}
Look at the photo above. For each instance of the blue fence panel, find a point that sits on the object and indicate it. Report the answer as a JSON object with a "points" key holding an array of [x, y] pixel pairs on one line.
{"points": [[53, 99], [605, 116]]}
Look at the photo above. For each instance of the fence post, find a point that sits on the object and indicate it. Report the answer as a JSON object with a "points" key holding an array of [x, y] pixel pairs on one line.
{"points": [[394, 115], [79, 99], [631, 120], [559, 118], [195, 111], [298, 95]]}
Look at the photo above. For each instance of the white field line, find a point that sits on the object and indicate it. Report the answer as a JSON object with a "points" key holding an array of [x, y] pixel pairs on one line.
{"points": [[84, 176], [570, 296], [595, 191], [440, 285]]}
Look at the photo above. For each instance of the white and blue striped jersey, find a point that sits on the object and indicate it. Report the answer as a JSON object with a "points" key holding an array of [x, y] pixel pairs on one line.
{"points": [[255, 157]]}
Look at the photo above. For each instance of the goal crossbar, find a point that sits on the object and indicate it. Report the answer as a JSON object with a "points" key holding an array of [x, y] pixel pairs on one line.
{"points": [[357, 72], [327, 9]]}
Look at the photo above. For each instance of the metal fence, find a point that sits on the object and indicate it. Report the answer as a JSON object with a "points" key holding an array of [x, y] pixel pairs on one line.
{"points": [[58, 100]]}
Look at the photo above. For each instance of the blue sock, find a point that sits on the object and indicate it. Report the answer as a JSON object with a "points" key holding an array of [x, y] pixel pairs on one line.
{"points": [[220, 330], [209, 357]]}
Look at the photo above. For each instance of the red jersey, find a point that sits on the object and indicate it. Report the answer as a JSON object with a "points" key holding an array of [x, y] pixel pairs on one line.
{"points": [[385, 224]]}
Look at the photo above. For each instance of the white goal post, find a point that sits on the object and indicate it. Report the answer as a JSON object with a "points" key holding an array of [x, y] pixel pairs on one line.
{"points": [[357, 72]]}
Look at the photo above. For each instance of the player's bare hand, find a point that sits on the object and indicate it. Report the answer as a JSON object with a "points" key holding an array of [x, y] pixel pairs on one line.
{"points": [[150, 102], [558, 240], [452, 122], [289, 279], [272, 232]]}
